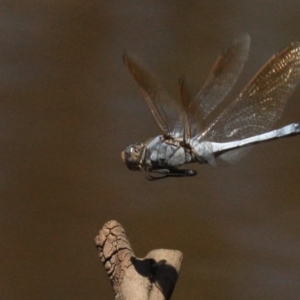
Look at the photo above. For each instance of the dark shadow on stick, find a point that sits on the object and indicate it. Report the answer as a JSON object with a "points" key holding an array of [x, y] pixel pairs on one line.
{"points": [[163, 275]]}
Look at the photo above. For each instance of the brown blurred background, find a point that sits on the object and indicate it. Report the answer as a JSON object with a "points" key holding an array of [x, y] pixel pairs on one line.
{"points": [[68, 107]]}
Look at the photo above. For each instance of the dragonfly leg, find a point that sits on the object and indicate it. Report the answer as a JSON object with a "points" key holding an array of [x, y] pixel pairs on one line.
{"points": [[174, 172]]}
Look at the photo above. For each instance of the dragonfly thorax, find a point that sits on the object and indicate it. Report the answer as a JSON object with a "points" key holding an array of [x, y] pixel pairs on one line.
{"points": [[134, 155]]}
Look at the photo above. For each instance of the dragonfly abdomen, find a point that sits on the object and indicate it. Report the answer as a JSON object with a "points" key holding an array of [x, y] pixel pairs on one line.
{"points": [[284, 131]]}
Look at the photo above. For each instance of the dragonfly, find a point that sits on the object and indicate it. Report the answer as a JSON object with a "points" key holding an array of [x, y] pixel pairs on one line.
{"points": [[193, 129]]}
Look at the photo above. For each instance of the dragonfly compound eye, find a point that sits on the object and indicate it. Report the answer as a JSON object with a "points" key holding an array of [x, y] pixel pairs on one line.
{"points": [[133, 156]]}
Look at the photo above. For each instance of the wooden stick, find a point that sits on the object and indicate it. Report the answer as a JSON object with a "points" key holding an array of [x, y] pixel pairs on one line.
{"points": [[150, 278]]}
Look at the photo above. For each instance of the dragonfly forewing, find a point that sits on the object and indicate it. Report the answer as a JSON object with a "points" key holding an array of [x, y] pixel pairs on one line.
{"points": [[223, 75], [219, 82]]}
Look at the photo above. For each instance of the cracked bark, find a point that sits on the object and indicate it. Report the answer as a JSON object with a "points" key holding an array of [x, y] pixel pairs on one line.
{"points": [[150, 278]]}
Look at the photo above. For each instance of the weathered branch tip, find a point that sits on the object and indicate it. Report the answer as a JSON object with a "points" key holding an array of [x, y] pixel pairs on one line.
{"points": [[151, 278]]}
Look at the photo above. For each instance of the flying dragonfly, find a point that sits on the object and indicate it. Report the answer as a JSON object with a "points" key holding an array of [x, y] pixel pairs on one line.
{"points": [[192, 131]]}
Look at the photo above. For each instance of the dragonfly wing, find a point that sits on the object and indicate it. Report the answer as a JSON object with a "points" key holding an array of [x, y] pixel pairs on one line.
{"points": [[166, 111], [223, 75], [185, 98], [261, 102], [218, 84]]}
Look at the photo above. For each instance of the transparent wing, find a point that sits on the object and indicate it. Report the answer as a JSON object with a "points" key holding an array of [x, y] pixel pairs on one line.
{"points": [[260, 104], [185, 98], [223, 75], [166, 111], [221, 79]]}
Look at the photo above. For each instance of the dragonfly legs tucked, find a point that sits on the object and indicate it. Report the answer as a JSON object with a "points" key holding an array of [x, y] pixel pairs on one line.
{"points": [[171, 172]]}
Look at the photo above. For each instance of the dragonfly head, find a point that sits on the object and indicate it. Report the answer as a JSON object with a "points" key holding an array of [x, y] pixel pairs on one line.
{"points": [[134, 155]]}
